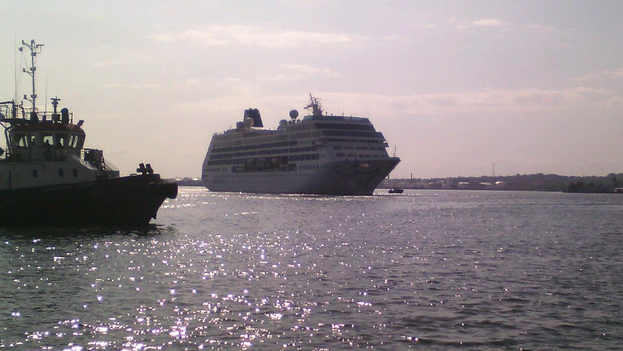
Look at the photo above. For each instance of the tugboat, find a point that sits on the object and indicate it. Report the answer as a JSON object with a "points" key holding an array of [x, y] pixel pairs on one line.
{"points": [[47, 177]]}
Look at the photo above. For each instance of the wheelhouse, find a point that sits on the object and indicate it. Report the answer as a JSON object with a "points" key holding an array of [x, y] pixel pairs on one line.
{"points": [[45, 141]]}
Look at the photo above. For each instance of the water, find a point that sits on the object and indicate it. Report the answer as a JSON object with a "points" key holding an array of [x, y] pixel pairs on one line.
{"points": [[422, 270]]}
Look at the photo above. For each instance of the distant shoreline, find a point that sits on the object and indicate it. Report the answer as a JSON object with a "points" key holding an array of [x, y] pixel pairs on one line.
{"points": [[611, 183]]}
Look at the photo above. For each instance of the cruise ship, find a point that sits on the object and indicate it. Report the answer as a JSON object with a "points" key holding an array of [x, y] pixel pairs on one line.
{"points": [[318, 154]]}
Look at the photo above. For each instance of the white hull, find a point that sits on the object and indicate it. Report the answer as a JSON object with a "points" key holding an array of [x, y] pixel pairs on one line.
{"points": [[331, 178], [20, 175]]}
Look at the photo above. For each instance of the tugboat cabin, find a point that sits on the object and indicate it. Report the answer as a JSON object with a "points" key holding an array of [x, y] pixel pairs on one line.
{"points": [[45, 141], [46, 151]]}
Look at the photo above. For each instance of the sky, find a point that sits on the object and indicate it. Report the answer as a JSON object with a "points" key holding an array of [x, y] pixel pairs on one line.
{"points": [[455, 86]]}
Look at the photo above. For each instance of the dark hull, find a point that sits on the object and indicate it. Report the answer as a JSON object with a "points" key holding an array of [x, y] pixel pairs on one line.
{"points": [[132, 200], [395, 191]]}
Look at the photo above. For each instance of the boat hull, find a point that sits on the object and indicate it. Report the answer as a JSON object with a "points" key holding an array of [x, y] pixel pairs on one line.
{"points": [[132, 200], [355, 177]]}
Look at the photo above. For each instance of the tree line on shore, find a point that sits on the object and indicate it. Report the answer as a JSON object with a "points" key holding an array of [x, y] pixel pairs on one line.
{"points": [[534, 182]]}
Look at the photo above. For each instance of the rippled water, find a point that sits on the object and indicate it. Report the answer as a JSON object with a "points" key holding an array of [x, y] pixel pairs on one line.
{"points": [[423, 270]]}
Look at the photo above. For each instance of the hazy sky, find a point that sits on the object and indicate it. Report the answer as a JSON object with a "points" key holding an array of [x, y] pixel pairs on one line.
{"points": [[532, 86]]}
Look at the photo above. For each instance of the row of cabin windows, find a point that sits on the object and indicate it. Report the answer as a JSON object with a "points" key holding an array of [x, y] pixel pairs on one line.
{"points": [[373, 141], [340, 154], [345, 126], [291, 158], [339, 147], [61, 173], [254, 147], [263, 152], [23, 140]]}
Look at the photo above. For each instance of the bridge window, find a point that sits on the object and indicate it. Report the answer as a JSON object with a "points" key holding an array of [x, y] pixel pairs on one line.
{"points": [[21, 140], [73, 141], [80, 141], [61, 173], [61, 140], [48, 140]]}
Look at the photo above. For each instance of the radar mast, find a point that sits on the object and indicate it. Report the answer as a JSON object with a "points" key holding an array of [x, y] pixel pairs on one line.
{"points": [[314, 104], [34, 50]]}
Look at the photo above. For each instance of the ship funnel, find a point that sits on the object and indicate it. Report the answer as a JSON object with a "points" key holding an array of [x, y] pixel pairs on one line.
{"points": [[254, 114], [65, 115]]}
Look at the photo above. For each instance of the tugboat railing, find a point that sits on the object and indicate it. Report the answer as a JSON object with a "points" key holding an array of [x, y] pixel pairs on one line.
{"points": [[11, 112]]}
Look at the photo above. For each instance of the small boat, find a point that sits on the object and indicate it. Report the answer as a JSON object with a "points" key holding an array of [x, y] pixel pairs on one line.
{"points": [[395, 190], [48, 178]]}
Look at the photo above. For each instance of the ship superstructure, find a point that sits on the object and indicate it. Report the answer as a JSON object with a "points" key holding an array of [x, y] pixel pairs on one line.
{"points": [[318, 154]]}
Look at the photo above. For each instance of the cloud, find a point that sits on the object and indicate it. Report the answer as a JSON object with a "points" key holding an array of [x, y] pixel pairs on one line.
{"points": [[488, 22], [483, 23], [104, 64], [191, 81], [492, 101], [132, 86], [441, 100], [301, 71], [540, 27], [458, 24], [203, 36], [255, 36], [311, 70], [615, 101], [607, 74], [162, 37]]}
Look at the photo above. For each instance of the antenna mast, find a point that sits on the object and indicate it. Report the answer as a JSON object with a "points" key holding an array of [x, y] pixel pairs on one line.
{"points": [[34, 50], [314, 104], [15, 68]]}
